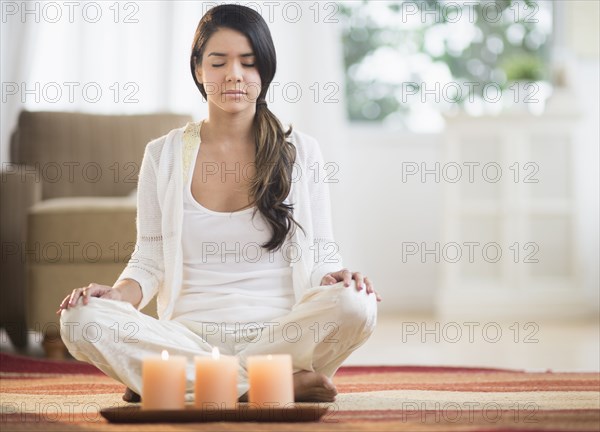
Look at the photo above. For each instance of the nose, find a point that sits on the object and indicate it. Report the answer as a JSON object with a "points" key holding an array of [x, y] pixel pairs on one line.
{"points": [[235, 72]]}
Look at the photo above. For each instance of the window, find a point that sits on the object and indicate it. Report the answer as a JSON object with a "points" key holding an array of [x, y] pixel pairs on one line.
{"points": [[409, 62]]}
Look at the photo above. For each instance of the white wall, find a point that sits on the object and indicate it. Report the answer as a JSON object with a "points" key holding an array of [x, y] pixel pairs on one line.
{"points": [[584, 43], [587, 179], [381, 212]]}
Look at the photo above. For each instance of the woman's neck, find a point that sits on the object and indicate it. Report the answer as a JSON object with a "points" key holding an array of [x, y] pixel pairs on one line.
{"points": [[228, 131]]}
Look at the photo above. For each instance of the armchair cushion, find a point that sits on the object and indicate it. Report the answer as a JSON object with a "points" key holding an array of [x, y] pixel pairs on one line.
{"points": [[81, 229]]}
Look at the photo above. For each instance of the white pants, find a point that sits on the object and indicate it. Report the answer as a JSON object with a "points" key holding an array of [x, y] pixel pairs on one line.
{"points": [[320, 332]]}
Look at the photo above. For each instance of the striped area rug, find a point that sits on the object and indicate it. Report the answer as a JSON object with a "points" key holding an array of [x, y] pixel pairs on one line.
{"points": [[44, 395]]}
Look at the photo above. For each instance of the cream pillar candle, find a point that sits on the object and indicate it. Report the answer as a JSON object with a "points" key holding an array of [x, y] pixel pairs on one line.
{"points": [[216, 381], [163, 382], [271, 380]]}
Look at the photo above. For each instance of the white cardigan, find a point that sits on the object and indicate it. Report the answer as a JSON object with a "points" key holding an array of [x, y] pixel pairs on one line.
{"points": [[157, 261]]}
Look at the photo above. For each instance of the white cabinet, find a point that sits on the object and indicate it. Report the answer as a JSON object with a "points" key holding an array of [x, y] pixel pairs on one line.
{"points": [[509, 245]]}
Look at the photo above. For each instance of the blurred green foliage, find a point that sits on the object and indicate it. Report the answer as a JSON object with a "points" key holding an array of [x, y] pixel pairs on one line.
{"points": [[523, 68], [498, 58]]}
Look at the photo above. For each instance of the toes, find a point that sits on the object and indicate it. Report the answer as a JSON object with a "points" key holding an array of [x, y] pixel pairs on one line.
{"points": [[328, 384]]}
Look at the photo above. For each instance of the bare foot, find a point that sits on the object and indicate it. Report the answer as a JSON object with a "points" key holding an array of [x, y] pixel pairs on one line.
{"points": [[313, 387], [131, 396], [309, 387]]}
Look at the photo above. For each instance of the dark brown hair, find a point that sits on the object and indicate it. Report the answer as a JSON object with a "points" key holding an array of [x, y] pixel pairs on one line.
{"points": [[275, 157]]}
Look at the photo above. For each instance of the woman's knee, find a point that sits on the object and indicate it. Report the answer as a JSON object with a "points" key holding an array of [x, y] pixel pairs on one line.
{"points": [[356, 308], [83, 324]]}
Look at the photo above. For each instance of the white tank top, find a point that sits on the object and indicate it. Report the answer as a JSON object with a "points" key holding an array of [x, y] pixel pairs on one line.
{"points": [[227, 276]]}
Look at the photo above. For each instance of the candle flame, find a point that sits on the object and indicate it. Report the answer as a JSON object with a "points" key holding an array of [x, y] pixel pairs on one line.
{"points": [[269, 357], [164, 355], [215, 353]]}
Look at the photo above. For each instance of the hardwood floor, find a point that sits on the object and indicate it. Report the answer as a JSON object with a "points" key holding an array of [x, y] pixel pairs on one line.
{"points": [[534, 346]]}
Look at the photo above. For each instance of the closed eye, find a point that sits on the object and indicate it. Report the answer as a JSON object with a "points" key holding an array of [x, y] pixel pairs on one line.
{"points": [[247, 65]]}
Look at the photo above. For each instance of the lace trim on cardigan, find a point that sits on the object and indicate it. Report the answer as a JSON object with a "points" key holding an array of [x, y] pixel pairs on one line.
{"points": [[156, 238], [139, 267], [191, 139]]}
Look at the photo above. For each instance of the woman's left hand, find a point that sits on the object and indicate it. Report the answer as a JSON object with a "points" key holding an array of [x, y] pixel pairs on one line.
{"points": [[346, 276]]}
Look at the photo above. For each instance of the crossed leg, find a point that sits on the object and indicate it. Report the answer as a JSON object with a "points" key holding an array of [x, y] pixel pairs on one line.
{"points": [[320, 332]]}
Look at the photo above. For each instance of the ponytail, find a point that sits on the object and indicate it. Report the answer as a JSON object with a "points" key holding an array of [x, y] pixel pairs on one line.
{"points": [[274, 162]]}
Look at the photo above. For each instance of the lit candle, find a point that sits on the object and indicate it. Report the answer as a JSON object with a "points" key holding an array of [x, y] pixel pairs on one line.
{"points": [[216, 381], [271, 380], [163, 382]]}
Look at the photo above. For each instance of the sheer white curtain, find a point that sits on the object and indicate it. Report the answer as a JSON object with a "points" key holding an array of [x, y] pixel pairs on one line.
{"points": [[79, 59]]}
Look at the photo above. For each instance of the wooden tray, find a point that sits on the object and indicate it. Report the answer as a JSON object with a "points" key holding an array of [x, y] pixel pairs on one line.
{"points": [[192, 414]]}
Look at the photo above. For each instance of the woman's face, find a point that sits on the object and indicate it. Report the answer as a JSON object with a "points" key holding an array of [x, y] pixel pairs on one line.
{"points": [[228, 71]]}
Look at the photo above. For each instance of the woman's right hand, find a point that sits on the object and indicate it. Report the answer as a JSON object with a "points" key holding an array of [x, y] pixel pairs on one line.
{"points": [[92, 290]]}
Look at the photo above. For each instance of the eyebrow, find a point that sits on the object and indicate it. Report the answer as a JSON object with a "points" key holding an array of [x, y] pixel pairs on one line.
{"points": [[250, 54]]}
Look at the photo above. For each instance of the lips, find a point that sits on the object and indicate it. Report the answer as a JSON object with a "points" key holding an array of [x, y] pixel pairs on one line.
{"points": [[234, 92]]}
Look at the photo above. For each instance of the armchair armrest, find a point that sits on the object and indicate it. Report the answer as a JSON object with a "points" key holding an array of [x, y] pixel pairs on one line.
{"points": [[18, 192]]}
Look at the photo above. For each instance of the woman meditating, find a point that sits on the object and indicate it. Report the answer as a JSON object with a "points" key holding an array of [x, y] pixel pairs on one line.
{"points": [[234, 236]]}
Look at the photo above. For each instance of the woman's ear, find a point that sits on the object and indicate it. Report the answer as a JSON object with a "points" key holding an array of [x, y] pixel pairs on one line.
{"points": [[198, 73]]}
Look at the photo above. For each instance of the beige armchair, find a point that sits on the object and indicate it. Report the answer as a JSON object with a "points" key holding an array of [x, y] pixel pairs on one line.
{"points": [[68, 210]]}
